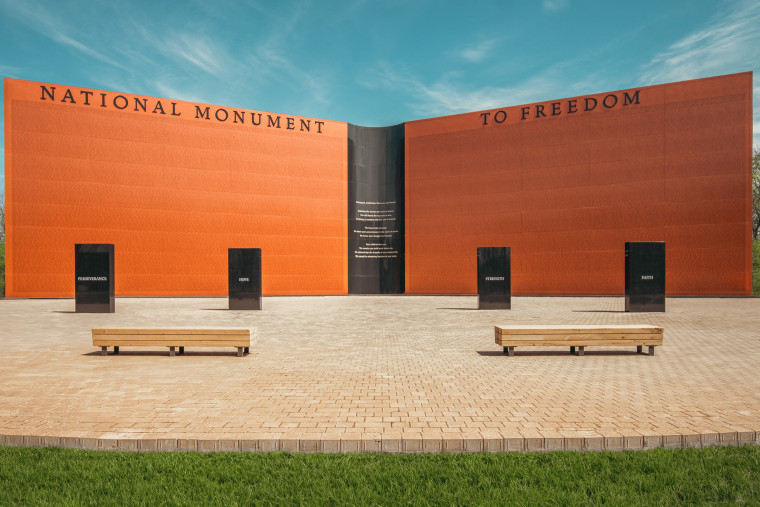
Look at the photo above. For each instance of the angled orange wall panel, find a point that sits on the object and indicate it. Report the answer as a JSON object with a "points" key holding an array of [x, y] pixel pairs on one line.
{"points": [[172, 192], [566, 190]]}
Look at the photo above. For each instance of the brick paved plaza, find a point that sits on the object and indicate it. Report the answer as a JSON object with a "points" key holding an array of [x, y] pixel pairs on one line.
{"points": [[379, 373]]}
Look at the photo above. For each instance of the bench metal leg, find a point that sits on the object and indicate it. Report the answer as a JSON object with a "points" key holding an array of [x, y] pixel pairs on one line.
{"points": [[510, 351], [572, 349], [103, 351], [116, 349], [181, 350], [651, 350], [240, 351], [171, 351], [246, 350], [580, 350]]}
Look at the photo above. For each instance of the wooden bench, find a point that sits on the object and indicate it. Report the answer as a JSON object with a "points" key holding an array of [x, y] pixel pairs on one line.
{"points": [[577, 337], [178, 337]]}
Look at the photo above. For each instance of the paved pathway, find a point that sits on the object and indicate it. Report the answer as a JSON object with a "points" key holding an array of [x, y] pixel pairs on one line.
{"points": [[379, 373]]}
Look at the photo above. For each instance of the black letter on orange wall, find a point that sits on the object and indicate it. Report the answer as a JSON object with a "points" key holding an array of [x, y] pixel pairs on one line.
{"points": [[201, 114], [627, 99], [305, 123], [319, 126], [141, 105], [226, 114], [503, 116], [159, 107], [604, 102], [273, 123], [126, 102], [555, 108], [69, 96], [50, 93], [485, 117], [253, 119], [174, 110], [540, 111], [86, 97], [572, 107], [238, 115], [587, 103], [525, 112], [291, 123]]}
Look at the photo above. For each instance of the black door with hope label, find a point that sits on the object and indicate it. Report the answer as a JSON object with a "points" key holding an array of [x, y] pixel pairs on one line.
{"points": [[244, 278]]}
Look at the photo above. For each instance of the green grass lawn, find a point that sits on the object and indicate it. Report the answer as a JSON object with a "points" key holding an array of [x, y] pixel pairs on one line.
{"points": [[68, 476]]}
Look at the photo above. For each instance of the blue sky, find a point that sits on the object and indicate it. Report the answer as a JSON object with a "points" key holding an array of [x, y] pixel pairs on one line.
{"points": [[376, 63]]}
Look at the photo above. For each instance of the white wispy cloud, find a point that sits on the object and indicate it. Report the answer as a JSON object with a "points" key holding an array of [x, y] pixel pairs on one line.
{"points": [[274, 63], [40, 19], [10, 71], [447, 96], [477, 52], [554, 5], [165, 89], [198, 50], [253, 66], [729, 43]]}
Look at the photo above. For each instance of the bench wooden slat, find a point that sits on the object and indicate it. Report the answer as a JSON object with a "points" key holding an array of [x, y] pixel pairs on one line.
{"points": [[561, 329], [170, 343], [574, 343], [581, 337], [168, 337], [179, 330]]}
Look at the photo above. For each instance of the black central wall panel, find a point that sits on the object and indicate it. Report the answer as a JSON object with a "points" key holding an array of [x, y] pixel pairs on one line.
{"points": [[376, 209]]}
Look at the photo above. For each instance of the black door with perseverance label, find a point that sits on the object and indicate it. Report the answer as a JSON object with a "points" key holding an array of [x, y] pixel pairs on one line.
{"points": [[94, 273]]}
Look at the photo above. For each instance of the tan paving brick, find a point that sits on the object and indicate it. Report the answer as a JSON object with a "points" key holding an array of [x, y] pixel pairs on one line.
{"points": [[380, 373]]}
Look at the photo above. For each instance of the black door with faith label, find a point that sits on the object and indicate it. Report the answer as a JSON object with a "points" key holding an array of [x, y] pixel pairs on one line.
{"points": [[645, 276]]}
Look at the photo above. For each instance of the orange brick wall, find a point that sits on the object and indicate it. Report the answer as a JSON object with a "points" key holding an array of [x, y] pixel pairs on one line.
{"points": [[566, 191], [172, 193]]}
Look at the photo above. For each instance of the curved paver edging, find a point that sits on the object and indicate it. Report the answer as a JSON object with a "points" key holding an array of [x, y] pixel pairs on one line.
{"points": [[415, 445]]}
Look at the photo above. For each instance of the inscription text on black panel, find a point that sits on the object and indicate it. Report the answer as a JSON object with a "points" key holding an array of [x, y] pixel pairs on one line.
{"points": [[94, 278], [376, 210], [244, 278], [494, 278], [645, 276]]}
